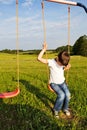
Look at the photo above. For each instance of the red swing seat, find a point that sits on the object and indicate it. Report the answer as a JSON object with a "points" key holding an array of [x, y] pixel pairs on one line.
{"points": [[10, 94], [49, 87]]}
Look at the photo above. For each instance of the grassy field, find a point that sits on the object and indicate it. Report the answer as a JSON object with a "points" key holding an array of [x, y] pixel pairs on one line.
{"points": [[31, 109]]}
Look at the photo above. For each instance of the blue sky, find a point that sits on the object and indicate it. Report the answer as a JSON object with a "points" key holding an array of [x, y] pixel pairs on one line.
{"points": [[31, 27]]}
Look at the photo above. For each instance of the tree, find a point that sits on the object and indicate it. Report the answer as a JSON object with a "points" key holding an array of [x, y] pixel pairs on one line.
{"points": [[64, 48], [80, 46]]}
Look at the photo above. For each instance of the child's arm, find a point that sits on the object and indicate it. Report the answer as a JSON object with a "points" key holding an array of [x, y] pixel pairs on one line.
{"points": [[67, 67], [40, 56]]}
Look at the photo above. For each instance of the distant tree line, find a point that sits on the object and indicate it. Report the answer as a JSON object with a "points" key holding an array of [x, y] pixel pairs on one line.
{"points": [[10, 51], [79, 48], [31, 52]]}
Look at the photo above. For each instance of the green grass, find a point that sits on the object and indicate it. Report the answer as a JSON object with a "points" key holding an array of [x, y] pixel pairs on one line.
{"points": [[30, 110]]}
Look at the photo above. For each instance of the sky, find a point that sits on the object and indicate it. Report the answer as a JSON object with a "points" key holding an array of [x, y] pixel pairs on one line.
{"points": [[30, 24]]}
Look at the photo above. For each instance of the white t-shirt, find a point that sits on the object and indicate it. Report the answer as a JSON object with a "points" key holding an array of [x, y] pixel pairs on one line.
{"points": [[56, 72]]}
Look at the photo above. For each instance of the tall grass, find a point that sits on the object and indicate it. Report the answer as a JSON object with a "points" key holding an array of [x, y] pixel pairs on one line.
{"points": [[31, 109]]}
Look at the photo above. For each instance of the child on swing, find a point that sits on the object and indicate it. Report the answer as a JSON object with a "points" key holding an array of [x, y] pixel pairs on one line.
{"points": [[57, 79]]}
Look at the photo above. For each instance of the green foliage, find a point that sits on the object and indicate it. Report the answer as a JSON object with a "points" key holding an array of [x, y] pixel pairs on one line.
{"points": [[31, 52], [10, 51], [65, 48], [80, 46], [31, 109]]}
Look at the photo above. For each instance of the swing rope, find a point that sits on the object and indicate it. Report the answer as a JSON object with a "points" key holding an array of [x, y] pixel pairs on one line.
{"points": [[69, 29], [67, 75], [17, 91], [44, 31], [17, 43], [43, 20]]}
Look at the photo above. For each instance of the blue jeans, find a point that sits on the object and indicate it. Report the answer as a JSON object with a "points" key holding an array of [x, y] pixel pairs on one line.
{"points": [[63, 96]]}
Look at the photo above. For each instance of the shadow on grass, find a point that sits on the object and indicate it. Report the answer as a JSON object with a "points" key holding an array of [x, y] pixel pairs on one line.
{"points": [[24, 117], [41, 96], [20, 116]]}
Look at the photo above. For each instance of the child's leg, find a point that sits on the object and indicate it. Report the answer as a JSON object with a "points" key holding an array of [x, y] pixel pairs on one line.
{"points": [[60, 97], [67, 96]]}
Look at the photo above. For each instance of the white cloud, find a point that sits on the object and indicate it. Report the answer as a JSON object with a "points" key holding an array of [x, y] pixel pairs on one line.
{"points": [[6, 1], [27, 3], [0, 13]]}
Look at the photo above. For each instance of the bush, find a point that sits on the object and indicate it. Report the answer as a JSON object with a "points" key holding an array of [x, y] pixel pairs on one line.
{"points": [[64, 48], [80, 46]]}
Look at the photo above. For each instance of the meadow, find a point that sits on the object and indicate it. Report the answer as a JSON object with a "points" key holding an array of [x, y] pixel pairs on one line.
{"points": [[31, 109]]}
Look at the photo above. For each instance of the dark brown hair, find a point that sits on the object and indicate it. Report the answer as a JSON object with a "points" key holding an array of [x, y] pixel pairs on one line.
{"points": [[64, 58]]}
